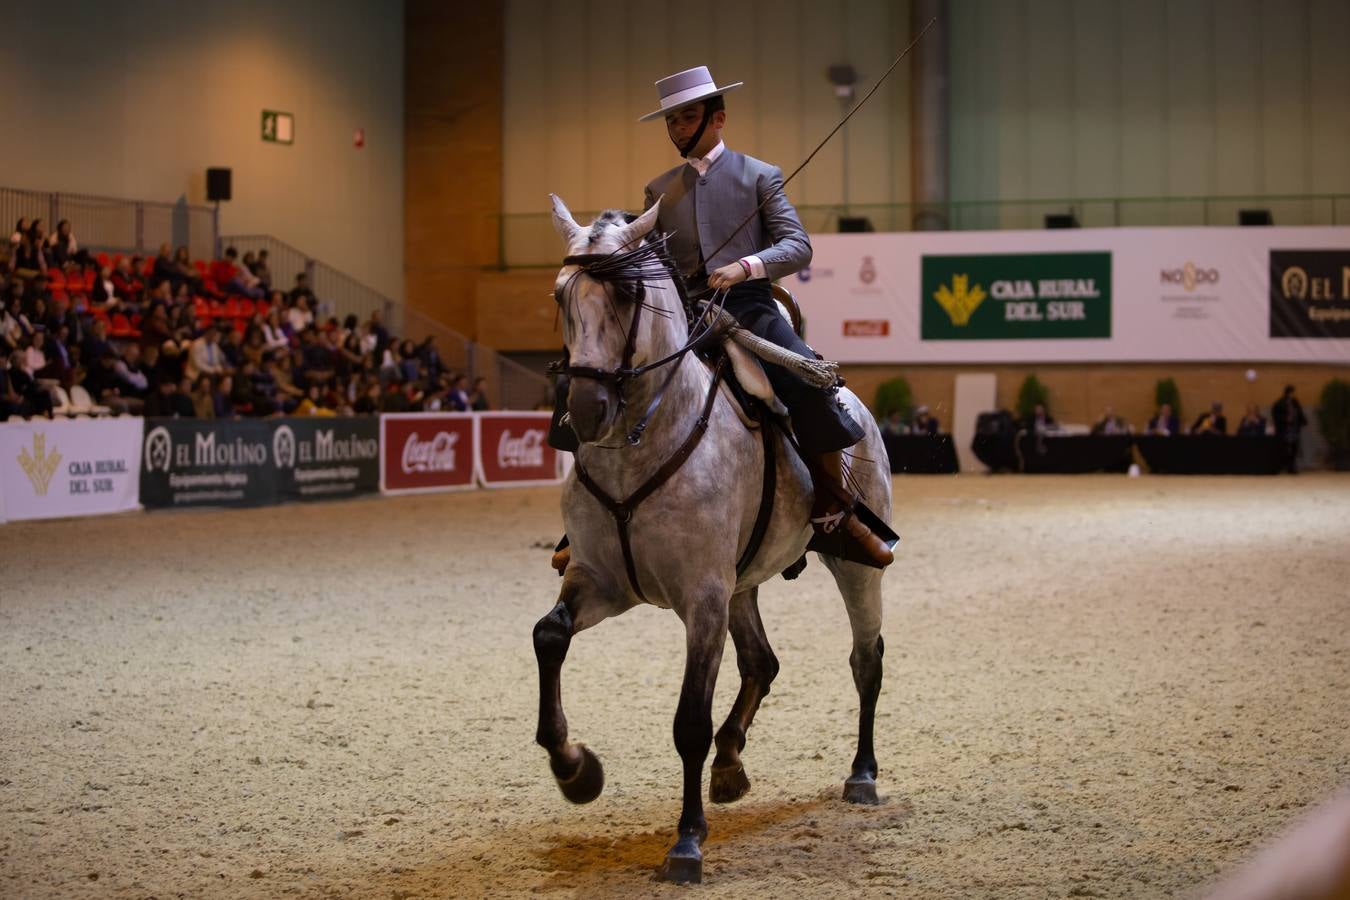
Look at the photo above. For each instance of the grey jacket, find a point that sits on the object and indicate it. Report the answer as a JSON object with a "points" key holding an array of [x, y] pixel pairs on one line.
{"points": [[702, 211]]}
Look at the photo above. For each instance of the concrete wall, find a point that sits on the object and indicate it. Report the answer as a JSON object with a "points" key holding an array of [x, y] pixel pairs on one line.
{"points": [[137, 98]]}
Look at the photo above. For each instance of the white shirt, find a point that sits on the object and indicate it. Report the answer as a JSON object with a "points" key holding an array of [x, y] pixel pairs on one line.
{"points": [[701, 166]]}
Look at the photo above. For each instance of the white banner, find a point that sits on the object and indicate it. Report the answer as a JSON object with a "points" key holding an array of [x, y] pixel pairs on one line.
{"points": [[1080, 295], [80, 467]]}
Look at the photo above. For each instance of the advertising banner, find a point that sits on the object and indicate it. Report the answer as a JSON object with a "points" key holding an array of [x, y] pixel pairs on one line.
{"points": [[323, 458], [192, 462], [1016, 296], [1310, 293], [81, 467], [422, 452], [513, 449], [1080, 295]]}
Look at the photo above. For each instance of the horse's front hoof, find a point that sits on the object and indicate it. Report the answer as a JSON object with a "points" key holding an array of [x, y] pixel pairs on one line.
{"points": [[728, 785], [586, 782], [684, 862], [861, 789]]}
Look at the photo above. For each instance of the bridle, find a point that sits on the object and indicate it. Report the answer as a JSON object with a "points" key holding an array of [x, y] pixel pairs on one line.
{"points": [[636, 268]]}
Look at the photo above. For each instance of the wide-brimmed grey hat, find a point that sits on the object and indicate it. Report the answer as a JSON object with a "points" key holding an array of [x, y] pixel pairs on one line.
{"points": [[683, 88]]}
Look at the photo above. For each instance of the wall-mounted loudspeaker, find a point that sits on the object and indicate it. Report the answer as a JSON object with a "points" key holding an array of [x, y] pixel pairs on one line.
{"points": [[1061, 220], [217, 184], [1255, 217]]}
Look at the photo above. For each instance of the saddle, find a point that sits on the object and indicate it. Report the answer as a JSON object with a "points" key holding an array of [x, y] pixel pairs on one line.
{"points": [[747, 371]]}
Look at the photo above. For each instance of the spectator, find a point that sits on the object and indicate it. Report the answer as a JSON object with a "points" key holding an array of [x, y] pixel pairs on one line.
{"points": [[1211, 422], [133, 381], [263, 271], [96, 342], [62, 246], [21, 395], [185, 272], [1253, 423], [34, 356], [206, 358], [1110, 423], [301, 290], [20, 229], [409, 364], [164, 270], [155, 327], [893, 424], [924, 422], [457, 398], [27, 259], [1164, 423], [288, 393], [160, 403], [1040, 420], [1287, 415], [274, 335], [105, 294], [125, 283], [60, 364], [231, 344], [431, 358], [105, 387], [203, 404], [313, 404], [478, 400], [299, 316], [222, 403], [171, 364]]}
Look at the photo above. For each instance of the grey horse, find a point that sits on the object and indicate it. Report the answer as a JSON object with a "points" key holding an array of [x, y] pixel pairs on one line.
{"points": [[687, 536]]}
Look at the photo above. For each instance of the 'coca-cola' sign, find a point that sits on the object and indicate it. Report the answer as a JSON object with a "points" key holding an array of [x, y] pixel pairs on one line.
{"points": [[513, 449], [426, 452]]}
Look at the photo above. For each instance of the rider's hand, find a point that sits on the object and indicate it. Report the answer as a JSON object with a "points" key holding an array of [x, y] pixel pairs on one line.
{"points": [[723, 278]]}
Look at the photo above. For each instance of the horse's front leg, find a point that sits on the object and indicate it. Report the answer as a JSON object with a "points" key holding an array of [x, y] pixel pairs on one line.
{"points": [[705, 624], [578, 771]]}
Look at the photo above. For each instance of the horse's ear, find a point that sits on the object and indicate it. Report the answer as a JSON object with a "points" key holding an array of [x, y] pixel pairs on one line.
{"points": [[635, 231], [563, 222]]}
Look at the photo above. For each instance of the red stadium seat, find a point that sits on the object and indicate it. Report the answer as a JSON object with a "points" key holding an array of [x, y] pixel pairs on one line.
{"points": [[263, 308], [232, 308], [60, 294], [149, 268], [102, 259], [121, 326], [56, 279], [89, 277], [246, 308]]}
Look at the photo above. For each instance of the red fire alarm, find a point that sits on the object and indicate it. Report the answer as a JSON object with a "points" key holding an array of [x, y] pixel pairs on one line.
{"points": [[359, 138]]}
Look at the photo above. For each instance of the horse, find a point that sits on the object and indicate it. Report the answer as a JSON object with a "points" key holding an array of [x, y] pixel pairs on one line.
{"points": [[692, 488]]}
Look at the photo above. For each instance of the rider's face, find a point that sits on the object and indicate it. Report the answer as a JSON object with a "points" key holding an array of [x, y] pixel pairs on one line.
{"points": [[682, 123]]}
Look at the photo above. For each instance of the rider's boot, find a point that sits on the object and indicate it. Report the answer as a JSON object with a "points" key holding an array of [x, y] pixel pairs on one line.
{"points": [[834, 505]]}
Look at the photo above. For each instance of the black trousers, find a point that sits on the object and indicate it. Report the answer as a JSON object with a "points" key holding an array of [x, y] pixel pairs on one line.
{"points": [[819, 418]]}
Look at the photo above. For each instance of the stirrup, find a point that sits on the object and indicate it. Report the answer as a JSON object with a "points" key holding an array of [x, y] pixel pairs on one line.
{"points": [[839, 543]]}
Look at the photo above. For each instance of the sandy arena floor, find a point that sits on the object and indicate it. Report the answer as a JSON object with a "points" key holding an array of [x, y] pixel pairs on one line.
{"points": [[1095, 687]]}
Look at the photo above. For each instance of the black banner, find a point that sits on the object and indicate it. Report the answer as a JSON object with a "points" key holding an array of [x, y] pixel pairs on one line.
{"points": [[1310, 293], [196, 462], [325, 459]]}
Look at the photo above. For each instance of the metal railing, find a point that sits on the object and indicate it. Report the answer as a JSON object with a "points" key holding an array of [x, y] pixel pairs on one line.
{"points": [[114, 224], [528, 239]]}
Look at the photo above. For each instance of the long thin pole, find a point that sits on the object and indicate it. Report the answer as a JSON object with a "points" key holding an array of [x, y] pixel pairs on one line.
{"points": [[833, 132]]}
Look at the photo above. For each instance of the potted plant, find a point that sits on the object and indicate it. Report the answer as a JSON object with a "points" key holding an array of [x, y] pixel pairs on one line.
{"points": [[894, 398], [1334, 417], [1166, 392], [1029, 395]]}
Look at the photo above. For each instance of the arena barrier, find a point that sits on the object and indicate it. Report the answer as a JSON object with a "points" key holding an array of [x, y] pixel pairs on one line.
{"points": [[57, 468]]}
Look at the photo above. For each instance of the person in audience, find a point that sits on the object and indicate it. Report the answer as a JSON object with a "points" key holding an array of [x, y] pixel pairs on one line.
{"points": [[132, 380], [155, 327], [893, 423], [231, 344], [242, 281], [1253, 424], [408, 362], [103, 385], [313, 403], [1040, 420], [125, 283], [275, 336], [288, 393], [457, 398], [20, 394], [1211, 422], [160, 403], [222, 390], [263, 271], [96, 343], [105, 296], [185, 272], [205, 357], [27, 259], [34, 355], [1287, 416], [301, 290], [924, 421], [299, 316], [1110, 423], [1164, 424], [62, 246], [478, 400], [60, 364], [164, 270], [20, 229]]}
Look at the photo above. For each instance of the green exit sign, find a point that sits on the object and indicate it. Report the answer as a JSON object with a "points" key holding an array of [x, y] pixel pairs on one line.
{"points": [[278, 127]]}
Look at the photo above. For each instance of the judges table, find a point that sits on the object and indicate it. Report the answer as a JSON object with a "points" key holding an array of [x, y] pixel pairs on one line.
{"points": [[1073, 453], [921, 454], [1205, 454]]}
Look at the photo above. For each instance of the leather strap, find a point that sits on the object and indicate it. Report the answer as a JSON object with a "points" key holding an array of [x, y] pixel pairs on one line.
{"points": [[622, 510]]}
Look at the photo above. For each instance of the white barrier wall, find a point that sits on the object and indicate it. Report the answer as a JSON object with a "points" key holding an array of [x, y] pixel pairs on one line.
{"points": [[1080, 295]]}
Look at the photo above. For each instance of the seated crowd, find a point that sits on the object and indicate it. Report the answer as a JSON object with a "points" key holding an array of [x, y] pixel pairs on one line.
{"points": [[169, 336]]}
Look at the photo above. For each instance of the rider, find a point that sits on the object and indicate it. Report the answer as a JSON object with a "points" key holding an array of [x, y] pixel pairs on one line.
{"points": [[703, 201]]}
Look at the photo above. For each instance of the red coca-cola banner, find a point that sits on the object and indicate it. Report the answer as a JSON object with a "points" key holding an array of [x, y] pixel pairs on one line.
{"points": [[513, 449], [426, 452]]}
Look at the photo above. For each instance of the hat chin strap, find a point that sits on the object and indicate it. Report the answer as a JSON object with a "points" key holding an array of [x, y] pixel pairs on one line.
{"points": [[690, 144]]}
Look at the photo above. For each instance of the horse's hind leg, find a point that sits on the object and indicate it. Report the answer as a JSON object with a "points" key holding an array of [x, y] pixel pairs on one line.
{"points": [[861, 587], [758, 666], [578, 771]]}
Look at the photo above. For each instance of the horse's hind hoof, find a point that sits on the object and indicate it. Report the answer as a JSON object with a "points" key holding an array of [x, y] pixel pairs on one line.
{"points": [[728, 785], [586, 783], [684, 862], [861, 789]]}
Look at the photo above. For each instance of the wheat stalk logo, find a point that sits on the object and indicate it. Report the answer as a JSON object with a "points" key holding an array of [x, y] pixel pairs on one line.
{"points": [[38, 466], [959, 300]]}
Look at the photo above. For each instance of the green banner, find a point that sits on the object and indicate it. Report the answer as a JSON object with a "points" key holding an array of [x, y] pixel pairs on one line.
{"points": [[1014, 296]]}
